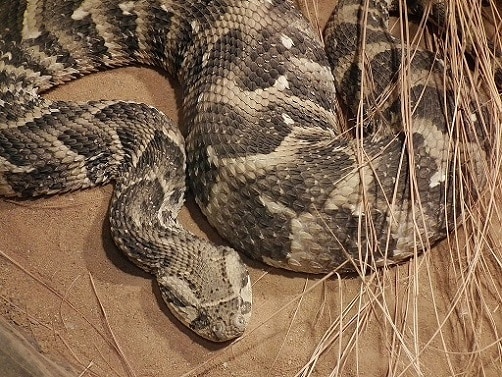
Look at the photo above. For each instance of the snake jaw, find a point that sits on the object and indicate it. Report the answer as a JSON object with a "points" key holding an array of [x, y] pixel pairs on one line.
{"points": [[218, 315], [207, 321]]}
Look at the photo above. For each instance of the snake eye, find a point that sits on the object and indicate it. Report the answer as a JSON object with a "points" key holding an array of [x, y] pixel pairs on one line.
{"points": [[218, 330]]}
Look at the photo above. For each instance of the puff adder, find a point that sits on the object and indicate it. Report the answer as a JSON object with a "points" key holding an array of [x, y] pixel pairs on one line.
{"points": [[267, 159]]}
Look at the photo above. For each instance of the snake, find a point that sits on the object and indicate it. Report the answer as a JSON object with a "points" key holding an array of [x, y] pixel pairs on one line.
{"points": [[267, 155]]}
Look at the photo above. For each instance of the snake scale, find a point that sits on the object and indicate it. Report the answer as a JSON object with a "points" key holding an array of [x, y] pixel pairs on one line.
{"points": [[267, 158]]}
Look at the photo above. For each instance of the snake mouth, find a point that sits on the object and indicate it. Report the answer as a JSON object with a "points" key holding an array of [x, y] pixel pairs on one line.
{"points": [[218, 315]]}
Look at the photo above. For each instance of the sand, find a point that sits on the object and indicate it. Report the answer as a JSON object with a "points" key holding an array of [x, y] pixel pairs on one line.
{"points": [[75, 296]]}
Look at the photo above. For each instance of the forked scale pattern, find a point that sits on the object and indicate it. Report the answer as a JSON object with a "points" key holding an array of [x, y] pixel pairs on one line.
{"points": [[268, 160]]}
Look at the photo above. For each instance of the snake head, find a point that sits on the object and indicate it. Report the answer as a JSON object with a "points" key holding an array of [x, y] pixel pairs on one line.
{"points": [[211, 297]]}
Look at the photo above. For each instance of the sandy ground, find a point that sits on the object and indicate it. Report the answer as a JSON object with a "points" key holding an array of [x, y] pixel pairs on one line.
{"points": [[70, 291]]}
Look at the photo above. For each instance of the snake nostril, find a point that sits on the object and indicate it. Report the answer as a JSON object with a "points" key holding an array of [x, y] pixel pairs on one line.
{"points": [[239, 321]]}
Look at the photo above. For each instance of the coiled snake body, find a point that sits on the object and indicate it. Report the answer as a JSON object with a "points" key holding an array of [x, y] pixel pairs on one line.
{"points": [[268, 161]]}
